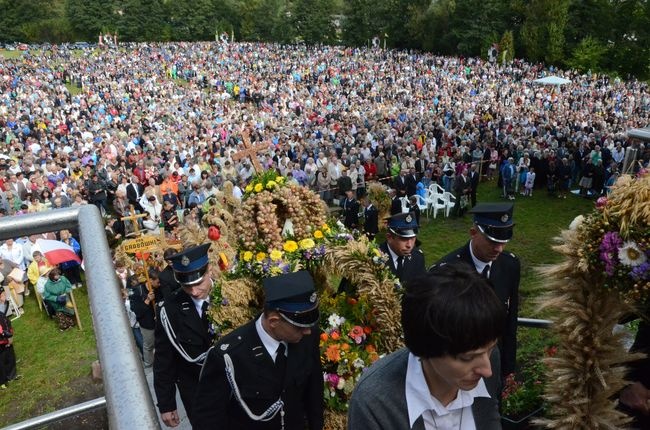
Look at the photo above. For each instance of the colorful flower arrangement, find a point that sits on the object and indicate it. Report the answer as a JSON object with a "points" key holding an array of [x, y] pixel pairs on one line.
{"points": [[616, 249], [348, 344], [522, 394]]}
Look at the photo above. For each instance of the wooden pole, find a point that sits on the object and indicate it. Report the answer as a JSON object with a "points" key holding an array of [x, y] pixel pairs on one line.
{"points": [[76, 311]]}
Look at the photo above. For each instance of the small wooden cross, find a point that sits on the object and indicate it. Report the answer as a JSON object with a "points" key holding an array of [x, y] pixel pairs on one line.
{"points": [[251, 151], [134, 219]]}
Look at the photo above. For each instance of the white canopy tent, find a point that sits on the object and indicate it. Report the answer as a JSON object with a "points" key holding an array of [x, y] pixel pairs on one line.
{"points": [[552, 80]]}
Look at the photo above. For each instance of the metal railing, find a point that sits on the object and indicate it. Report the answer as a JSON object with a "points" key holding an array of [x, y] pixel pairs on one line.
{"points": [[128, 400]]}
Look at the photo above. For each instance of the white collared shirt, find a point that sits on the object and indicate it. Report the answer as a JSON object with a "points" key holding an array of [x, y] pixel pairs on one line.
{"points": [[420, 402], [393, 256], [269, 343], [198, 304], [480, 265]]}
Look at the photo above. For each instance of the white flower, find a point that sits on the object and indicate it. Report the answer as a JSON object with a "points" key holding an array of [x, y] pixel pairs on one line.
{"points": [[358, 363], [577, 221], [631, 255], [335, 320], [341, 384]]}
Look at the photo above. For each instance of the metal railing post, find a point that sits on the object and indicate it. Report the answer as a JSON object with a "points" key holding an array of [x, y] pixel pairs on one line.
{"points": [[129, 402]]}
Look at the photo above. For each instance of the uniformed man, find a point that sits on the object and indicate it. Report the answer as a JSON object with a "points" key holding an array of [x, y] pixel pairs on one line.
{"points": [[267, 373], [491, 231], [183, 335], [406, 259], [350, 207]]}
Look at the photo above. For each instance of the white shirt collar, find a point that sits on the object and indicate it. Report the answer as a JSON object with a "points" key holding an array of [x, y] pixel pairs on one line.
{"points": [[198, 304], [420, 400], [480, 265], [270, 344]]}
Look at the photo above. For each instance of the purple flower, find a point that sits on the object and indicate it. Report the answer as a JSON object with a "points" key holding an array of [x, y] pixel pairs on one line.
{"points": [[224, 302], [609, 251], [641, 272]]}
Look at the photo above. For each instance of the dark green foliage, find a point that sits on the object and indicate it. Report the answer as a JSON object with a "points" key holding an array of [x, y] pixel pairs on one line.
{"points": [[611, 36]]}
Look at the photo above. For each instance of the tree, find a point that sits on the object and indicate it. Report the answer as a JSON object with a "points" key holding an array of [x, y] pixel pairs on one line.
{"points": [[587, 55], [313, 20], [507, 47], [88, 18], [140, 20]]}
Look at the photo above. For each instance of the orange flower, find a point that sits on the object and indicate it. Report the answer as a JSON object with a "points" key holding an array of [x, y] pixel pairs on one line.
{"points": [[324, 337], [352, 301], [367, 330], [345, 347], [370, 349], [374, 357], [333, 354], [335, 335]]}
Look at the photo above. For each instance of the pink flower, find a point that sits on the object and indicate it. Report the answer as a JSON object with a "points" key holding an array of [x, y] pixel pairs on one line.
{"points": [[332, 379]]}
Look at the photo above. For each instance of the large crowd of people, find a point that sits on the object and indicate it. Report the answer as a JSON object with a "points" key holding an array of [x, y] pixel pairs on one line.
{"points": [[155, 129]]}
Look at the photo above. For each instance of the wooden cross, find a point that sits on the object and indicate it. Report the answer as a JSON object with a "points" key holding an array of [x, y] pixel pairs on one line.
{"points": [[134, 219], [251, 151]]}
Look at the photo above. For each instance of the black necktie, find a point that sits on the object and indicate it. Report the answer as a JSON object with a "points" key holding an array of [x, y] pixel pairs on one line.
{"points": [[280, 360], [400, 265], [486, 272]]}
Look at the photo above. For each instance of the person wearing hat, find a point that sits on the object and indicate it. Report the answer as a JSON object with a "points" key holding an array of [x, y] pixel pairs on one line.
{"points": [[350, 207], [183, 333], [267, 373], [491, 231], [406, 259]]}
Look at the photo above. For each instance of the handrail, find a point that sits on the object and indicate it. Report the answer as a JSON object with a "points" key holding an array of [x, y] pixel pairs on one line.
{"points": [[128, 399], [59, 415], [534, 323]]}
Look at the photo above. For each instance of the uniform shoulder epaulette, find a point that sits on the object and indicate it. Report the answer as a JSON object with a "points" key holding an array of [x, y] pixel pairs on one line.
{"points": [[510, 254], [420, 251]]}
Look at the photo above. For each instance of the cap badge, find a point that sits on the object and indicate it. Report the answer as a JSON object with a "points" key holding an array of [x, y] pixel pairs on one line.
{"points": [[312, 298], [408, 218], [504, 218], [185, 261]]}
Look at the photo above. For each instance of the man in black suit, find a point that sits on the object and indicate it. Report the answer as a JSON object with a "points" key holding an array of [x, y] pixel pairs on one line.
{"points": [[411, 183], [267, 373], [350, 207], [474, 179], [371, 219], [395, 202], [491, 231], [406, 260], [133, 193], [400, 184], [183, 333]]}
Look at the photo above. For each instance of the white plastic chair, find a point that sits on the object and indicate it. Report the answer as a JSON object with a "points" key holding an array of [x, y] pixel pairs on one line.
{"points": [[405, 204], [450, 202], [437, 201]]}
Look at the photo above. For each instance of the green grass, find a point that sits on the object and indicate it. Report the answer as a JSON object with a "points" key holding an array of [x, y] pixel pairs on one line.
{"points": [[10, 54], [56, 366]]}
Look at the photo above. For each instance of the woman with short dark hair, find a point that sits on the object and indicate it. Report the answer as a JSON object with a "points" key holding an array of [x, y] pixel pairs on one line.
{"points": [[447, 376]]}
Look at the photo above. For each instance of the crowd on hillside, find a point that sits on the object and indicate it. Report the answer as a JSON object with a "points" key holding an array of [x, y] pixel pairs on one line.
{"points": [[155, 126]]}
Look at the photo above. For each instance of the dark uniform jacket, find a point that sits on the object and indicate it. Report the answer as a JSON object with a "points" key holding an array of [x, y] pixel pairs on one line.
{"points": [[371, 222], [169, 367], [413, 265], [350, 213], [504, 277], [260, 385], [168, 284]]}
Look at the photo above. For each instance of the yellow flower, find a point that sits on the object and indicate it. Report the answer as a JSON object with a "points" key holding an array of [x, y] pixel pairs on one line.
{"points": [[275, 270], [249, 188], [318, 234], [307, 244], [248, 256], [290, 246], [270, 185], [377, 252], [258, 188], [326, 228], [260, 256], [280, 180], [275, 255]]}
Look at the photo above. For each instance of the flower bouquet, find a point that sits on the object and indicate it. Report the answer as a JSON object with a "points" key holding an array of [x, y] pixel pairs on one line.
{"points": [[348, 346], [604, 276]]}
